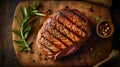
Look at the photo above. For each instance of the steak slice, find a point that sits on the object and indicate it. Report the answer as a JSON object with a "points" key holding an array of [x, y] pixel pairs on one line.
{"points": [[63, 33]]}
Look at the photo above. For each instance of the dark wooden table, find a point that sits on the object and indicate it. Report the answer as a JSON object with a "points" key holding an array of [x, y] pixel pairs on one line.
{"points": [[7, 54]]}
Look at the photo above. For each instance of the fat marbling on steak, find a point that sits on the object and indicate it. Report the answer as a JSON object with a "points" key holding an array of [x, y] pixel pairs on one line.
{"points": [[63, 33]]}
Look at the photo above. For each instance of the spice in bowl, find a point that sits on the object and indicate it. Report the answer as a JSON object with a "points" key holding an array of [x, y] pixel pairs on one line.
{"points": [[104, 29]]}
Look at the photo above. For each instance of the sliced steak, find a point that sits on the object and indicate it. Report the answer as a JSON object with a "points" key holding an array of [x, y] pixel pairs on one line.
{"points": [[63, 33]]}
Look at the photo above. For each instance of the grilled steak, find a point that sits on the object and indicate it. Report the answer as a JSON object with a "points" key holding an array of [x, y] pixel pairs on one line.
{"points": [[63, 33]]}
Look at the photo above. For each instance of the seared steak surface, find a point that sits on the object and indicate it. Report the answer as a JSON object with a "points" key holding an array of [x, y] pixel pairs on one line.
{"points": [[63, 33]]}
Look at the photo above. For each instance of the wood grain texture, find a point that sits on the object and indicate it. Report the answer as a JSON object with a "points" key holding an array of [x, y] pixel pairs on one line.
{"points": [[106, 3], [102, 46]]}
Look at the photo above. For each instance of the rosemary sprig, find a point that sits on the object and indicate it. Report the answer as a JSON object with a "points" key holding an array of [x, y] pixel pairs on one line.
{"points": [[24, 27]]}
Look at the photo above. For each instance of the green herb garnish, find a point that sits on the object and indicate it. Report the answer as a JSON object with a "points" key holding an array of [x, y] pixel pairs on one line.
{"points": [[93, 55], [97, 18], [25, 27]]}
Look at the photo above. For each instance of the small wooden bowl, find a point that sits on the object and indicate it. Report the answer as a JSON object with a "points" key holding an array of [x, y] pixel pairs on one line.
{"points": [[102, 23]]}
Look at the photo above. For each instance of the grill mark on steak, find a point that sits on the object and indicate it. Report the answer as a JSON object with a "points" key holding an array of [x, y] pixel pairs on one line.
{"points": [[57, 34], [65, 36], [44, 48], [77, 13], [66, 32], [48, 39], [77, 22], [48, 45], [70, 34], [84, 28], [45, 44], [53, 32], [57, 38], [54, 41], [69, 25]]}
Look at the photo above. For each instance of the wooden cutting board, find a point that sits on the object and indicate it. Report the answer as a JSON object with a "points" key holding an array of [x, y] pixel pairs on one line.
{"points": [[95, 49]]}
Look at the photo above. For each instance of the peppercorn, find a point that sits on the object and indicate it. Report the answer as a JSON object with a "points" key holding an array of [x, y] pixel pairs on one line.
{"points": [[90, 8], [91, 49], [46, 58], [105, 29], [33, 60]]}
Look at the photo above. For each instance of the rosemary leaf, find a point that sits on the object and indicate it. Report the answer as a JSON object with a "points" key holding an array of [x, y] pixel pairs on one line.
{"points": [[16, 32], [40, 14], [36, 4], [26, 34], [26, 31], [24, 21], [22, 27], [27, 28], [35, 11], [21, 9], [25, 12], [23, 49], [20, 43], [30, 9]]}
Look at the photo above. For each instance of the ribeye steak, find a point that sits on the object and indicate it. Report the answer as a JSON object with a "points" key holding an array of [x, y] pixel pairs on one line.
{"points": [[63, 33]]}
